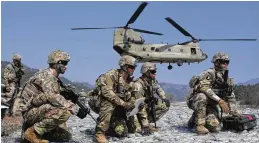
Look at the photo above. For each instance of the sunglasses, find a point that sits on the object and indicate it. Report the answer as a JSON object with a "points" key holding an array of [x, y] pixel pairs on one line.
{"points": [[152, 71], [223, 61], [63, 62], [131, 67]]}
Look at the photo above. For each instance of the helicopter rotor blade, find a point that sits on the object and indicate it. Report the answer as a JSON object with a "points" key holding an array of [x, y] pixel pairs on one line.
{"points": [[226, 39], [94, 28], [145, 31], [137, 13], [178, 27]]}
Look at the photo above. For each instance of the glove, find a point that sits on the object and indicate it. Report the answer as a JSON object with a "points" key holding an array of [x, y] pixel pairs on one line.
{"points": [[167, 102], [146, 131], [224, 106], [128, 105], [7, 89], [82, 114]]}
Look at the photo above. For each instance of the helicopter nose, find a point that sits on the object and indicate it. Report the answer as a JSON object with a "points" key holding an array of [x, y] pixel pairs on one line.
{"points": [[205, 56]]}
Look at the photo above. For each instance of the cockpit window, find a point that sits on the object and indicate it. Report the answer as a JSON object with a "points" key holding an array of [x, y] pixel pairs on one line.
{"points": [[193, 51]]}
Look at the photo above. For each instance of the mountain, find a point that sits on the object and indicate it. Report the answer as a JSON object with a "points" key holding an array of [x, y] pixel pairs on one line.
{"points": [[31, 71], [251, 82], [178, 90]]}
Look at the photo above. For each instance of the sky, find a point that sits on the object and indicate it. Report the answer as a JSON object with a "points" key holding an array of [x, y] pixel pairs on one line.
{"points": [[34, 29]]}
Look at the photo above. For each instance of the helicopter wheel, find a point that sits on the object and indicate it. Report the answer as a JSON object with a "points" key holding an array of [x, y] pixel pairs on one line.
{"points": [[170, 67]]}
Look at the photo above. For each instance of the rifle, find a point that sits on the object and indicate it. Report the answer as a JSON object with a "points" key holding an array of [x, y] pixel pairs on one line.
{"points": [[151, 101], [71, 95]]}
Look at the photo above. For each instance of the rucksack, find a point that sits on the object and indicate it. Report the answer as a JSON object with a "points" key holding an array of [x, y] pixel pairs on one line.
{"points": [[94, 95], [194, 81]]}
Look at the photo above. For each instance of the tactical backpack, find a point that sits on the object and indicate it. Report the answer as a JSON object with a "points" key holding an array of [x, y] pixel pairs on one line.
{"points": [[245, 122], [94, 95], [194, 81]]}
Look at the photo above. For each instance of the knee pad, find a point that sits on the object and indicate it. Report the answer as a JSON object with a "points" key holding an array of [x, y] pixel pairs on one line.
{"points": [[212, 123]]}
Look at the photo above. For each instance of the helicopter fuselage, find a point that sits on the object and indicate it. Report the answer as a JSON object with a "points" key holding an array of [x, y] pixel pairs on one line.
{"points": [[129, 42]]}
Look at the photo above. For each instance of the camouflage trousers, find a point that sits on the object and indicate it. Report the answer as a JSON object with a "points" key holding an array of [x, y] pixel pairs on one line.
{"points": [[206, 112], [160, 110], [46, 120], [8, 95], [105, 114]]}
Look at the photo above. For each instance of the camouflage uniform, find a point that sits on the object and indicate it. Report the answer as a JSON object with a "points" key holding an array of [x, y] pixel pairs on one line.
{"points": [[141, 89], [12, 77], [113, 93], [209, 89], [43, 107]]}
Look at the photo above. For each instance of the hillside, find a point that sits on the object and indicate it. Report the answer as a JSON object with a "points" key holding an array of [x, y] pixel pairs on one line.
{"points": [[178, 90], [251, 82], [31, 71]]}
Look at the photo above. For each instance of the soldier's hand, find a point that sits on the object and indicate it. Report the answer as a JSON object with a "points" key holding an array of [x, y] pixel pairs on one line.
{"points": [[7, 89], [128, 105], [82, 114], [146, 131], [167, 102], [224, 106]]}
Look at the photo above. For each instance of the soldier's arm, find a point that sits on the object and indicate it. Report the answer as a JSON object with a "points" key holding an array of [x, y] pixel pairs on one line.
{"points": [[138, 92], [205, 84], [51, 89], [160, 92], [108, 93]]}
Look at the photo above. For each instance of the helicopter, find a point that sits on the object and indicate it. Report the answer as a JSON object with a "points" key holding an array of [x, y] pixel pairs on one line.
{"points": [[128, 41]]}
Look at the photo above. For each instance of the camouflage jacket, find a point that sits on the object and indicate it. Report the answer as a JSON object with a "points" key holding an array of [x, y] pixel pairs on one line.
{"points": [[113, 87], [212, 84], [40, 89], [140, 89], [12, 73]]}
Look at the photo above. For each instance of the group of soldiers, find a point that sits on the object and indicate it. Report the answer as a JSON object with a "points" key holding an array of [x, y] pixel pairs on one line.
{"points": [[45, 108]]}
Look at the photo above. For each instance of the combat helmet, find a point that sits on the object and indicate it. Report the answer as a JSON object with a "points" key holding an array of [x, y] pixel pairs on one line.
{"points": [[57, 56], [17, 57], [147, 66], [127, 60], [220, 56]]}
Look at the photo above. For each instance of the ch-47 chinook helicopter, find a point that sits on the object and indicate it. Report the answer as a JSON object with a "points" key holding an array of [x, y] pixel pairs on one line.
{"points": [[127, 41]]}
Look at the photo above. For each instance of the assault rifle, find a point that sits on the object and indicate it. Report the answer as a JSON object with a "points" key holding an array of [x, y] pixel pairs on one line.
{"points": [[69, 94], [151, 101], [227, 89]]}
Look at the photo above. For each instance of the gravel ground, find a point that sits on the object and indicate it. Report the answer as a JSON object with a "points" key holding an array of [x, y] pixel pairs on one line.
{"points": [[172, 128]]}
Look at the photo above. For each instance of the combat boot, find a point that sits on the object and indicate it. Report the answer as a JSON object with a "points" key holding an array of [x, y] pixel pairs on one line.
{"points": [[153, 128], [100, 138], [200, 129], [32, 137]]}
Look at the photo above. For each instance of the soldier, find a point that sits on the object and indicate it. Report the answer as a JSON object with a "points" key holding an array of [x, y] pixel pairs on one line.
{"points": [[114, 86], [146, 86], [12, 76], [45, 110], [213, 87]]}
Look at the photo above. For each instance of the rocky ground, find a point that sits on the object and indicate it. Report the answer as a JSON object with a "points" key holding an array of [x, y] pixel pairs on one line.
{"points": [[172, 128]]}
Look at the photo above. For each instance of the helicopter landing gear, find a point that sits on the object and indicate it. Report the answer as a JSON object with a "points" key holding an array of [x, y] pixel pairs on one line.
{"points": [[170, 67], [180, 63]]}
